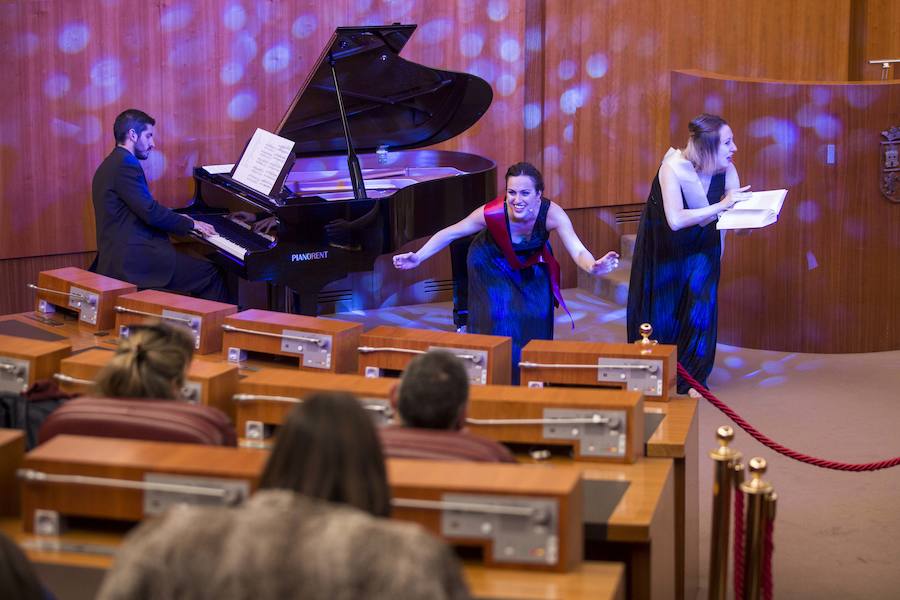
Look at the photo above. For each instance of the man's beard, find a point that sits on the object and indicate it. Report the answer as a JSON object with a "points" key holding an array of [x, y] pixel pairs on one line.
{"points": [[141, 154]]}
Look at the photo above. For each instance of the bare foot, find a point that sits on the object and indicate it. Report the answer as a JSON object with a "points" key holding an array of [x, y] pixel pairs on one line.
{"points": [[694, 393]]}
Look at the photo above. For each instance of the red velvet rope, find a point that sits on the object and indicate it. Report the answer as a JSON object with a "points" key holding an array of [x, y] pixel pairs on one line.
{"points": [[770, 443], [768, 550], [738, 544]]}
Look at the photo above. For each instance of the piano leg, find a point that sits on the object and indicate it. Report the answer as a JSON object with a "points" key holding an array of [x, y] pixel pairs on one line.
{"points": [[301, 296], [459, 252]]}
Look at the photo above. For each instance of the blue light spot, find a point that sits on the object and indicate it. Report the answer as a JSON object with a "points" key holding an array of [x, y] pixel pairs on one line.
{"points": [[98, 96], [28, 44], [497, 10], [486, 69], [105, 73], [56, 86], [820, 96], [808, 211], [713, 104], [566, 69], [91, 131], [734, 362], [155, 165], [471, 44], [826, 126], [242, 106], [571, 100], [62, 128], [506, 84], [73, 38], [532, 116], [363, 5], [773, 366], [781, 131], [811, 262], [609, 106], [243, 48], [304, 26], [276, 58], [231, 73], [510, 50], [552, 156], [771, 382], [435, 31], [175, 18], [234, 17], [597, 65], [859, 96], [534, 39], [569, 133]]}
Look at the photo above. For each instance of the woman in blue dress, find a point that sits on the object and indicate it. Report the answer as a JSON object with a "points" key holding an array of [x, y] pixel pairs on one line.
{"points": [[675, 270], [513, 276]]}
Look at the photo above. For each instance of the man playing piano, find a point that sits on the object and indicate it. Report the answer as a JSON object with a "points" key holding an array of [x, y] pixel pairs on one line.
{"points": [[133, 229]]}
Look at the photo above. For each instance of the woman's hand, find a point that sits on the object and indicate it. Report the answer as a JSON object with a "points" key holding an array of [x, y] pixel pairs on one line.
{"points": [[606, 264], [735, 196], [410, 260]]}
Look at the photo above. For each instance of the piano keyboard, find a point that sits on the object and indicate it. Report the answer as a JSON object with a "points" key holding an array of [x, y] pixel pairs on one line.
{"points": [[227, 245], [234, 239]]}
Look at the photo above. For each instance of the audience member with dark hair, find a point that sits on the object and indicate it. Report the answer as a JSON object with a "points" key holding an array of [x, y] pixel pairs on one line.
{"points": [[431, 401], [292, 539], [151, 362], [327, 448]]}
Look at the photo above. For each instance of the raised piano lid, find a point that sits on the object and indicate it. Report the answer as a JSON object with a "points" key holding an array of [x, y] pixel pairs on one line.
{"points": [[389, 101]]}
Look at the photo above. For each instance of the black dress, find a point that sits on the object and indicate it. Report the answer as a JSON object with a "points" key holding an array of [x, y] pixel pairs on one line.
{"points": [[674, 283], [513, 302]]}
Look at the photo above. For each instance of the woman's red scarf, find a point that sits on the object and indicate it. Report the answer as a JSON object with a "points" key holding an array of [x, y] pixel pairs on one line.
{"points": [[495, 217]]}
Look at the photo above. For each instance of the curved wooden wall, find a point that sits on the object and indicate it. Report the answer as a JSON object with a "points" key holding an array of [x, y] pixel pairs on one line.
{"points": [[824, 278]]}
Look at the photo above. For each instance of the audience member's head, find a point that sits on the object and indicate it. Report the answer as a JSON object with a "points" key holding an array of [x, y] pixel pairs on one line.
{"points": [[152, 362], [433, 392], [327, 448], [17, 577]]}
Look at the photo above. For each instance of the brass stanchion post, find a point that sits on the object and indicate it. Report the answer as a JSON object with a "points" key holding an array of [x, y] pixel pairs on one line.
{"points": [[760, 510], [726, 460]]}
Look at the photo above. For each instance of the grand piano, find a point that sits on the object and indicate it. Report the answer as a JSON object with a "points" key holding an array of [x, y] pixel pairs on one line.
{"points": [[338, 210]]}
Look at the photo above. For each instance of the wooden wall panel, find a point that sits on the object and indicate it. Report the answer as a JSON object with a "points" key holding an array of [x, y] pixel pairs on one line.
{"points": [[605, 116], [16, 273], [875, 35], [210, 73], [823, 278]]}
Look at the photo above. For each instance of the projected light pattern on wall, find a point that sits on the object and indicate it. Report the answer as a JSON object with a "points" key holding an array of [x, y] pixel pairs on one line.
{"points": [[210, 72]]}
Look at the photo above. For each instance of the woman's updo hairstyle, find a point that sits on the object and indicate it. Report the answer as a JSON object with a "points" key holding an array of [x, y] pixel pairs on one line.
{"points": [[703, 143], [150, 363], [524, 168]]}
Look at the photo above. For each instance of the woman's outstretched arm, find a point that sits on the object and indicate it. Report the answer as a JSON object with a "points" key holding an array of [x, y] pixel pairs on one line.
{"points": [[471, 224], [558, 220]]}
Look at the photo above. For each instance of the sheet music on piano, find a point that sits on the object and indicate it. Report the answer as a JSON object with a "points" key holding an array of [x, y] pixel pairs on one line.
{"points": [[263, 162]]}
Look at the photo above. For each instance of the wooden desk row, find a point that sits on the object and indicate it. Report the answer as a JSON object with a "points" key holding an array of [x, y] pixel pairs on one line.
{"points": [[328, 345], [519, 515]]}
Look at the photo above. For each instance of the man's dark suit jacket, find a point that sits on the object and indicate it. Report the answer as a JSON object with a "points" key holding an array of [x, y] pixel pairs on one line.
{"points": [[132, 228]]}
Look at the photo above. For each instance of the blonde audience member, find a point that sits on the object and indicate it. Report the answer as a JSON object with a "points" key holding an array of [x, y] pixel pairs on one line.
{"points": [[151, 362]]}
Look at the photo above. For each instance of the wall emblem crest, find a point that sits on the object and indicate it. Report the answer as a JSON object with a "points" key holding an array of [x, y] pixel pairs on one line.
{"points": [[890, 164]]}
